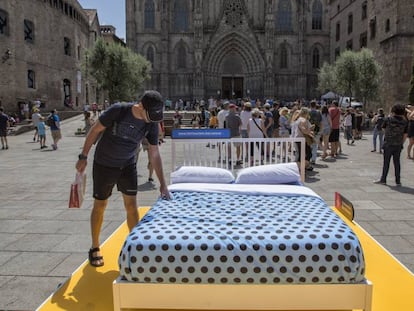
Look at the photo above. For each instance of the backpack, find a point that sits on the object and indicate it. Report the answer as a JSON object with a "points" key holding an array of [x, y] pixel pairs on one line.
{"points": [[315, 119], [50, 121]]}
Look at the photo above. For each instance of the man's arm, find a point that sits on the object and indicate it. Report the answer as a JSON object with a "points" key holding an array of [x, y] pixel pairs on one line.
{"points": [[155, 160], [93, 134]]}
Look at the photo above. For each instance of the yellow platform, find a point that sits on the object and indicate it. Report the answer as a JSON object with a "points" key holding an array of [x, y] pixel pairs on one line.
{"points": [[90, 288]]}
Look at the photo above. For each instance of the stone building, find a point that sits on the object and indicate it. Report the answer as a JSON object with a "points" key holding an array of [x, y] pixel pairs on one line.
{"points": [[387, 28], [231, 48], [42, 45]]}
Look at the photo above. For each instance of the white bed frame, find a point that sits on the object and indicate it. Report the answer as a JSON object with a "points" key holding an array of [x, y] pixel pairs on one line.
{"points": [[221, 152], [130, 295]]}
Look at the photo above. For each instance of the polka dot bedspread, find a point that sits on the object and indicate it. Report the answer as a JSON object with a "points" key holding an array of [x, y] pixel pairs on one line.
{"points": [[234, 238]]}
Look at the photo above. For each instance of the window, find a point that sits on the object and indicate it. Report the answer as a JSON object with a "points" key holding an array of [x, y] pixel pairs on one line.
{"points": [[66, 46], [349, 45], [363, 40], [350, 23], [233, 12], [4, 27], [149, 15], [28, 31], [338, 31], [316, 58], [181, 57], [284, 16], [373, 27], [387, 25], [317, 15], [30, 79], [283, 57], [364, 11], [150, 55], [180, 15]]}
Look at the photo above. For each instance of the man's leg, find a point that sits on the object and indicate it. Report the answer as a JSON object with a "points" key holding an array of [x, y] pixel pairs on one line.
{"points": [[97, 215], [131, 208]]}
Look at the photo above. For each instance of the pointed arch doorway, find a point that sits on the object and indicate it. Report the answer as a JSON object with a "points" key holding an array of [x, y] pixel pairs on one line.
{"points": [[232, 87], [232, 80]]}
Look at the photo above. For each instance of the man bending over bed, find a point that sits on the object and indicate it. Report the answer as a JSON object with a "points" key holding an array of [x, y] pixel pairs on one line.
{"points": [[120, 130]]}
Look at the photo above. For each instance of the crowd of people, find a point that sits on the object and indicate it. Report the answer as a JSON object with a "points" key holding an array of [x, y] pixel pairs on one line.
{"points": [[320, 124]]}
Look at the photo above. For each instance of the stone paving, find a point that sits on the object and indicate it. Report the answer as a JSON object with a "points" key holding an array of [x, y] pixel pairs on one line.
{"points": [[42, 241]]}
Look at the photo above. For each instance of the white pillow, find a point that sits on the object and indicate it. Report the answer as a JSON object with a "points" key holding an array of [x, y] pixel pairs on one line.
{"points": [[281, 173], [201, 174]]}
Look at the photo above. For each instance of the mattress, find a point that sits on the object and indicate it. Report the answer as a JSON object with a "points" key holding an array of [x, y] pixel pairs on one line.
{"points": [[242, 234]]}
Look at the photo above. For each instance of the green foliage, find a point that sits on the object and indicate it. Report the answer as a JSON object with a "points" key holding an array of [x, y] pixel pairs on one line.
{"points": [[117, 70], [369, 75], [326, 78], [353, 74], [347, 74]]}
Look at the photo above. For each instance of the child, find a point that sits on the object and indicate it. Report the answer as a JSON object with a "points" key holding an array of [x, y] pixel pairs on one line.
{"points": [[41, 131]]}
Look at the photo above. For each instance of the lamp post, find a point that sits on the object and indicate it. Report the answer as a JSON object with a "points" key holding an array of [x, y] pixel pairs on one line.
{"points": [[248, 93], [218, 94]]}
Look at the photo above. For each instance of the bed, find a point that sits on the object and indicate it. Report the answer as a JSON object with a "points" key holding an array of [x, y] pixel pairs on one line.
{"points": [[254, 241]]}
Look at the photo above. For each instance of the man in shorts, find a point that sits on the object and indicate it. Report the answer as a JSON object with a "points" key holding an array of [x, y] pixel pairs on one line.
{"points": [[121, 128], [335, 114], [55, 129]]}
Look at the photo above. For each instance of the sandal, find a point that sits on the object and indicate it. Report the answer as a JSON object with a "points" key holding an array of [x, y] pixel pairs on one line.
{"points": [[94, 259]]}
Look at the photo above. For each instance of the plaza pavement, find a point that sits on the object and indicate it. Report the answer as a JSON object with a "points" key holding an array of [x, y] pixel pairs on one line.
{"points": [[42, 241]]}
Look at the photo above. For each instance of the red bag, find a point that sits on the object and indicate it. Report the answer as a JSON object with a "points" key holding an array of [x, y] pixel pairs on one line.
{"points": [[77, 191]]}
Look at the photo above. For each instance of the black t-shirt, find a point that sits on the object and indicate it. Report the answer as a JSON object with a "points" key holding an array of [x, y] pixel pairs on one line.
{"points": [[395, 128], [118, 144]]}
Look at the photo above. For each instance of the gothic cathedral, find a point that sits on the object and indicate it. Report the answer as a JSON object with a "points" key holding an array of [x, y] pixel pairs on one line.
{"points": [[231, 48]]}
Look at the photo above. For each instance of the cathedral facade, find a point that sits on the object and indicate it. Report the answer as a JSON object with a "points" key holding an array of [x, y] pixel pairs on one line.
{"points": [[231, 48]]}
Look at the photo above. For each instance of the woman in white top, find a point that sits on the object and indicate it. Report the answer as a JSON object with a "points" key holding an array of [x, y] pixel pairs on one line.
{"points": [[255, 129]]}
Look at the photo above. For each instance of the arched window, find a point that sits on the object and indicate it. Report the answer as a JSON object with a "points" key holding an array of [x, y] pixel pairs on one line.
{"points": [[180, 15], [284, 16], [317, 15], [31, 79], [181, 57], [316, 59], [150, 55], [4, 23], [283, 57], [149, 15]]}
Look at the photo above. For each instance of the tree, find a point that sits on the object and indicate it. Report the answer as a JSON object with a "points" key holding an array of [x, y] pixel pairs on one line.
{"points": [[326, 78], [117, 70], [369, 76], [347, 73]]}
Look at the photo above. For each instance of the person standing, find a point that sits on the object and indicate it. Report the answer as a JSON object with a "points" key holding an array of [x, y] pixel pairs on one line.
{"points": [[326, 124], [315, 119], [335, 114], [41, 131], [395, 134], [55, 128], [36, 116], [410, 116], [378, 132], [234, 123], [122, 128], [4, 124]]}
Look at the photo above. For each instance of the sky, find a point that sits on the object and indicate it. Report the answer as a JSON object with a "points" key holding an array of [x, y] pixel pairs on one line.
{"points": [[110, 12]]}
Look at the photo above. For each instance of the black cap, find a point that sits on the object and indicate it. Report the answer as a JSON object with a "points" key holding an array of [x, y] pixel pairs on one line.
{"points": [[154, 105]]}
